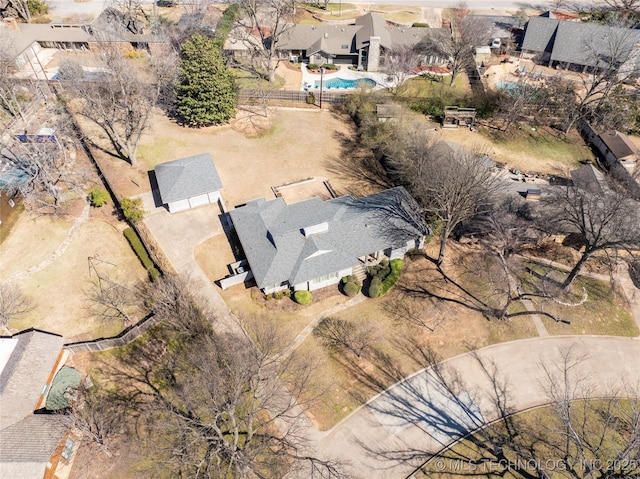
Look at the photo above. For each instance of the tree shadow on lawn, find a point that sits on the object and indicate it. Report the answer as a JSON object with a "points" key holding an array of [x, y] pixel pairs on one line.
{"points": [[358, 166]]}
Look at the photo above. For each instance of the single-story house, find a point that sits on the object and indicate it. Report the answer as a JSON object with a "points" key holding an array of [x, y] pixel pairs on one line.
{"points": [[579, 45], [188, 182], [314, 243], [30, 444], [24, 41], [362, 44]]}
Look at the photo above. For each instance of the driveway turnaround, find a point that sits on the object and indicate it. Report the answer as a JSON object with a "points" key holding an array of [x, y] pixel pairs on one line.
{"points": [[422, 414]]}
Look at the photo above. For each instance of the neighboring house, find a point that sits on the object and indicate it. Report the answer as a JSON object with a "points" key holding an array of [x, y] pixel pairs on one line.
{"points": [[362, 44], [580, 46], [189, 182], [30, 443], [313, 243], [620, 156], [24, 41]]}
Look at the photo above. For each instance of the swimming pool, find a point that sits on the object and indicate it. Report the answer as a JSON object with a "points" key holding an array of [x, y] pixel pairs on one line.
{"points": [[508, 86], [347, 84]]}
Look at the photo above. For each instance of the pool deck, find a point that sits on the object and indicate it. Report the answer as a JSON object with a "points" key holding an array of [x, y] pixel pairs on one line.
{"points": [[309, 79]]}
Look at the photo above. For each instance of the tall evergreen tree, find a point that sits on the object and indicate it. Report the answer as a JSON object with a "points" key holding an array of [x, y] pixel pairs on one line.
{"points": [[206, 93]]}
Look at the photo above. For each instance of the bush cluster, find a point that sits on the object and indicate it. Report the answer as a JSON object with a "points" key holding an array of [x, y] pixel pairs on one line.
{"points": [[132, 209], [385, 275], [303, 297], [136, 243]]}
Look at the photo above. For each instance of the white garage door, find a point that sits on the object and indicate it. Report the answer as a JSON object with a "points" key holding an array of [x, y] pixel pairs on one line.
{"points": [[199, 200], [179, 206]]}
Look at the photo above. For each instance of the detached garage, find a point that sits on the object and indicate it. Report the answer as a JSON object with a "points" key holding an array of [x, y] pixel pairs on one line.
{"points": [[188, 182]]}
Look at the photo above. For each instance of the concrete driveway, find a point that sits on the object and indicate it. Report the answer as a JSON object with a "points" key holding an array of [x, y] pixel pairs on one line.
{"points": [[420, 414]]}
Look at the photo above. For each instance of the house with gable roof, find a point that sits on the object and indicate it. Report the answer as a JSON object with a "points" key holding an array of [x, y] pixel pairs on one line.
{"points": [[362, 44], [314, 243], [30, 442], [189, 182], [579, 45]]}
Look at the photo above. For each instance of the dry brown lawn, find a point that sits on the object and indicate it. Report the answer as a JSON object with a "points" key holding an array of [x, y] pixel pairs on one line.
{"points": [[293, 144], [58, 291]]}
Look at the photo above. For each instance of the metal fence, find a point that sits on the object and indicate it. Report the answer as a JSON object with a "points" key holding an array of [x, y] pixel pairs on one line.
{"points": [[260, 97]]}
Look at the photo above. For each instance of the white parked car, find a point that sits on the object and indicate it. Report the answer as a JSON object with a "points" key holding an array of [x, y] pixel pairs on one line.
{"points": [[496, 43]]}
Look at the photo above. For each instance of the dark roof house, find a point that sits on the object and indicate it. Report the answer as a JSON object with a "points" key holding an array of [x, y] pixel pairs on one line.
{"points": [[362, 43], [188, 182], [559, 42], [313, 243]]}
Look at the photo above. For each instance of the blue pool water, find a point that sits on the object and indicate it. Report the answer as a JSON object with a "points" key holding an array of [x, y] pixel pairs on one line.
{"points": [[507, 86], [343, 83]]}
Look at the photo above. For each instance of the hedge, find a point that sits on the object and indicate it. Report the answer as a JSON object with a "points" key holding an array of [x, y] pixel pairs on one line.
{"points": [[136, 243], [384, 277], [303, 297], [393, 277]]}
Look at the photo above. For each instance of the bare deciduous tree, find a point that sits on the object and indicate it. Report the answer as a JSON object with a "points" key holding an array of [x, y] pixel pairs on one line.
{"points": [[400, 63], [605, 220], [263, 26], [339, 334], [13, 303], [213, 404], [46, 168], [120, 101], [467, 33], [109, 299], [612, 60], [451, 184]]}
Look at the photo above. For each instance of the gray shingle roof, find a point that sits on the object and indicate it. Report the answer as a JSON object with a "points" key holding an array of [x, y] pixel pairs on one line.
{"points": [[583, 43], [619, 144], [13, 43], [187, 177], [540, 34], [32, 439], [26, 373], [278, 251], [332, 38], [372, 26], [577, 42]]}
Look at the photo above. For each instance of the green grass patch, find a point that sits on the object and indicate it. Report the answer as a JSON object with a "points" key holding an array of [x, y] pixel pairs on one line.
{"points": [[603, 313], [331, 7], [142, 253], [160, 150], [403, 17], [542, 143], [246, 80]]}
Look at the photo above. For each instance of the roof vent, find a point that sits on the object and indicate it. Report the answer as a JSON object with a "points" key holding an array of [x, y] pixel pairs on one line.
{"points": [[326, 34]]}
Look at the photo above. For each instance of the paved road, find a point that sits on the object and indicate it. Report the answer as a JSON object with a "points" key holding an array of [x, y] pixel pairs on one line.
{"points": [[420, 413], [471, 4]]}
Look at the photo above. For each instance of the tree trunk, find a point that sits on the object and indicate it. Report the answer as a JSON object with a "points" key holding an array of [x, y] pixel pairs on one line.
{"points": [[443, 247], [576, 269]]}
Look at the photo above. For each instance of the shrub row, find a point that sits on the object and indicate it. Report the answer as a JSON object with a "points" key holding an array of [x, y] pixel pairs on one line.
{"points": [[136, 243], [326, 66], [385, 275]]}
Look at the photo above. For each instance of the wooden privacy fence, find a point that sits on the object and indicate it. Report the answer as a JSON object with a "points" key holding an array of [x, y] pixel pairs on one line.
{"points": [[127, 336], [257, 97]]}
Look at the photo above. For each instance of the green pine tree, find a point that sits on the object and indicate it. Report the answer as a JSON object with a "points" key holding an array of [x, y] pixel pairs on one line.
{"points": [[206, 93]]}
